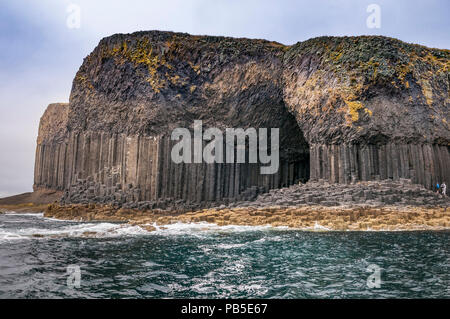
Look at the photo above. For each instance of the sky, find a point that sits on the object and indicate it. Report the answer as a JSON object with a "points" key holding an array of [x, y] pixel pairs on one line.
{"points": [[42, 45]]}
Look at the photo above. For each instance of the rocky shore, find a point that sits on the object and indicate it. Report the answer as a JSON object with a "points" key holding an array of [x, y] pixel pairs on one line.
{"points": [[31, 202], [382, 205]]}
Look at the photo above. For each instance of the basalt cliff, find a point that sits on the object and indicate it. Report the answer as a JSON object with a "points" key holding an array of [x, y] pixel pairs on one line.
{"points": [[349, 109]]}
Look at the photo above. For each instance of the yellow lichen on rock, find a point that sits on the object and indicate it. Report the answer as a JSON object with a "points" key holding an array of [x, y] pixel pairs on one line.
{"points": [[306, 217], [427, 91], [142, 52], [84, 81], [353, 109]]}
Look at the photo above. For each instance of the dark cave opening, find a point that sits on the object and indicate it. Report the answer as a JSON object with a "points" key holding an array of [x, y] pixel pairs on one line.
{"points": [[294, 153]]}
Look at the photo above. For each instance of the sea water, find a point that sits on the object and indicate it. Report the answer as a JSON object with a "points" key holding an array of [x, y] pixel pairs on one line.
{"points": [[38, 255]]}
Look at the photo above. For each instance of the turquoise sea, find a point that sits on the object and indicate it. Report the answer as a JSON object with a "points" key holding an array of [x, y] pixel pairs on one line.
{"points": [[45, 258]]}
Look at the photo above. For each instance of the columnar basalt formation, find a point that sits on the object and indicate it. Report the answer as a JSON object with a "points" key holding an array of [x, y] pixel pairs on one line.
{"points": [[133, 90], [371, 108], [50, 169], [348, 109]]}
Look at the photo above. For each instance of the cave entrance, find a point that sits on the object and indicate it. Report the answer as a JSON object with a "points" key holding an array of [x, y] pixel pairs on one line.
{"points": [[294, 154]]}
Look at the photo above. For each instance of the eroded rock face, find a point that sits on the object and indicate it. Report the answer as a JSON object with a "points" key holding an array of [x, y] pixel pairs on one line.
{"points": [[53, 124], [49, 170], [371, 108], [149, 83], [348, 109], [368, 90], [133, 90], [152, 82]]}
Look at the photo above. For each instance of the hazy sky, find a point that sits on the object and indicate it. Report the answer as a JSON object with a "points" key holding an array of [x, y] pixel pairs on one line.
{"points": [[40, 54]]}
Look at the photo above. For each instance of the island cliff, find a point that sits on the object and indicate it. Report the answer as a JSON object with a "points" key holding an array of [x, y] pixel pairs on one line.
{"points": [[349, 109], [371, 108]]}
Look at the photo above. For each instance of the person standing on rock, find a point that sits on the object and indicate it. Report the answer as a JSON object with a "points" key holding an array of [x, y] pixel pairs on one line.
{"points": [[437, 188], [444, 189]]}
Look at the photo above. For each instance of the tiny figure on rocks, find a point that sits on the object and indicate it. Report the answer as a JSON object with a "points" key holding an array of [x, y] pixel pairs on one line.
{"points": [[437, 188], [444, 189]]}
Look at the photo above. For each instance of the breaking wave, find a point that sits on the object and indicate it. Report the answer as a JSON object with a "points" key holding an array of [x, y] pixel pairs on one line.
{"points": [[19, 228]]}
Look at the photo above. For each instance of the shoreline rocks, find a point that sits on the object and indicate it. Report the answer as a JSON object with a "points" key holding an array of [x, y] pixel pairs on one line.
{"points": [[353, 209]]}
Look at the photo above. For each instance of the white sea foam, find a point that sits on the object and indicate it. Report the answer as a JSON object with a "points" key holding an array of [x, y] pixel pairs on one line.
{"points": [[24, 214], [7, 236], [40, 215], [229, 246], [78, 230], [49, 219], [202, 228], [316, 227], [105, 229]]}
